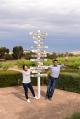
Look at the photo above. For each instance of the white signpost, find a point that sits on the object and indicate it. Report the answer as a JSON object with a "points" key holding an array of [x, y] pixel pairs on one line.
{"points": [[40, 54]]}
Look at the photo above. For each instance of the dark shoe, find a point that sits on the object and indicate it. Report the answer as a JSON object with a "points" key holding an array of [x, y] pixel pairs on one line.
{"points": [[50, 98]]}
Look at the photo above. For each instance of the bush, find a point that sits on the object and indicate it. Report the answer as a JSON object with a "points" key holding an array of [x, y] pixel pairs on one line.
{"points": [[73, 62], [8, 57], [12, 78], [9, 78], [69, 81], [48, 62], [5, 65], [74, 116], [0, 65], [21, 62]]}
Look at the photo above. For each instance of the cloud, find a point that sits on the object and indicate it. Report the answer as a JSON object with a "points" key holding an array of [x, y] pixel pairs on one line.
{"points": [[58, 18], [30, 11]]}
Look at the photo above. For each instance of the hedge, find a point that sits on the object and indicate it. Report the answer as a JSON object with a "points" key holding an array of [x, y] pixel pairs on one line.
{"points": [[9, 78], [76, 115], [13, 78], [67, 81]]}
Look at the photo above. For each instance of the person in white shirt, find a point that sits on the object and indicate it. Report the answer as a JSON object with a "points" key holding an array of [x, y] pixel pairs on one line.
{"points": [[26, 81], [54, 74]]}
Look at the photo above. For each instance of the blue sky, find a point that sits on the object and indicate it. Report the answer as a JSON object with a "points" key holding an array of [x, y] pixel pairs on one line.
{"points": [[60, 19]]}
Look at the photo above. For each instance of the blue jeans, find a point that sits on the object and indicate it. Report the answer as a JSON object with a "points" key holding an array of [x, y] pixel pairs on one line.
{"points": [[26, 86], [51, 87]]}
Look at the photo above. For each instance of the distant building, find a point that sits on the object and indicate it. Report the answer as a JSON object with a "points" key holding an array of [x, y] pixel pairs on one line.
{"points": [[26, 51], [76, 52]]}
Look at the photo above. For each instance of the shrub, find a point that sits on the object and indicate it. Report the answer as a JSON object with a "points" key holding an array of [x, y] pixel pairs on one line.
{"points": [[73, 62], [9, 78], [0, 65], [69, 81], [21, 62], [12, 78], [74, 116], [8, 57], [48, 62]]}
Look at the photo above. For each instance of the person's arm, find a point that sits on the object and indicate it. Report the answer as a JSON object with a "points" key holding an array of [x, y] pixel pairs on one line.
{"points": [[48, 70], [13, 69], [62, 66]]}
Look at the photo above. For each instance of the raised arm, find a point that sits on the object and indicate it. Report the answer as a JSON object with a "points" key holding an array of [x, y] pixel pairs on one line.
{"points": [[62, 65], [13, 69]]}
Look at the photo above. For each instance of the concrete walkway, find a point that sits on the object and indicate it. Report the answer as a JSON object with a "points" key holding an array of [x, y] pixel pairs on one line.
{"points": [[13, 104]]}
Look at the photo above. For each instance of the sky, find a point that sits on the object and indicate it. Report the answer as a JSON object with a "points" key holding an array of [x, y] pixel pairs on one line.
{"points": [[59, 18]]}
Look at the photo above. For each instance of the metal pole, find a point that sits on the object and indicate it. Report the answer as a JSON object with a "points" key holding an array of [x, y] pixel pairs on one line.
{"points": [[39, 86]]}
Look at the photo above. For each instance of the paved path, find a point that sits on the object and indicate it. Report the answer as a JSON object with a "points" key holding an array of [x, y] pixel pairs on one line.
{"points": [[13, 104]]}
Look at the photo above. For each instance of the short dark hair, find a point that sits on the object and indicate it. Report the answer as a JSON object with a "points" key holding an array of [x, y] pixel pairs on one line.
{"points": [[55, 60], [25, 65]]}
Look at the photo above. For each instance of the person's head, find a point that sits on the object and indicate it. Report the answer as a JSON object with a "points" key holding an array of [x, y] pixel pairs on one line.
{"points": [[25, 67], [55, 62]]}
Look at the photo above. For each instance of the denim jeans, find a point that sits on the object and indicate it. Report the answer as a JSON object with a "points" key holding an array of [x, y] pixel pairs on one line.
{"points": [[26, 86], [51, 87]]}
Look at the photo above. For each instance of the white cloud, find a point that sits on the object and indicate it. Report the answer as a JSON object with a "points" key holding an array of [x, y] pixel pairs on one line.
{"points": [[54, 16]]}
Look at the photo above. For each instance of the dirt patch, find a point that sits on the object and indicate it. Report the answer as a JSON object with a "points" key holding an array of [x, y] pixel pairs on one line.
{"points": [[13, 104]]}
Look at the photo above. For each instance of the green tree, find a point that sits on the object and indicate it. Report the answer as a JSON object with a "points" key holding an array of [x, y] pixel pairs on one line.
{"points": [[52, 55], [29, 55], [17, 52], [3, 51]]}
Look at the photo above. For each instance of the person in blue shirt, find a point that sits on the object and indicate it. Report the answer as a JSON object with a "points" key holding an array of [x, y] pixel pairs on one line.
{"points": [[54, 75]]}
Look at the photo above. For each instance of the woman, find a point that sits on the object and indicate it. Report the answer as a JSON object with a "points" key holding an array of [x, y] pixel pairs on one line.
{"points": [[26, 81]]}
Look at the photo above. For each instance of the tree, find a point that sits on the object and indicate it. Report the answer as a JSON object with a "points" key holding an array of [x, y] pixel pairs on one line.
{"points": [[8, 56], [17, 52], [3, 51], [29, 55], [52, 56], [7, 50]]}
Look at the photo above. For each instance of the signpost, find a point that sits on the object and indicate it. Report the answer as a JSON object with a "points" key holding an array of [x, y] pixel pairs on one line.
{"points": [[40, 54]]}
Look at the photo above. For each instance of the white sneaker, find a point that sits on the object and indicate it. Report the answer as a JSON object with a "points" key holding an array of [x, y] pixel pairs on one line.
{"points": [[28, 100], [36, 97]]}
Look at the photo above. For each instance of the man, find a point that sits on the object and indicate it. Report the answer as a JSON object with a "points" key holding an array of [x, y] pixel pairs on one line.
{"points": [[54, 74]]}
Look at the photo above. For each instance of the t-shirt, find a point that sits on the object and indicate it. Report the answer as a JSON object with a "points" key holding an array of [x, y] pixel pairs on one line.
{"points": [[55, 70], [26, 76]]}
